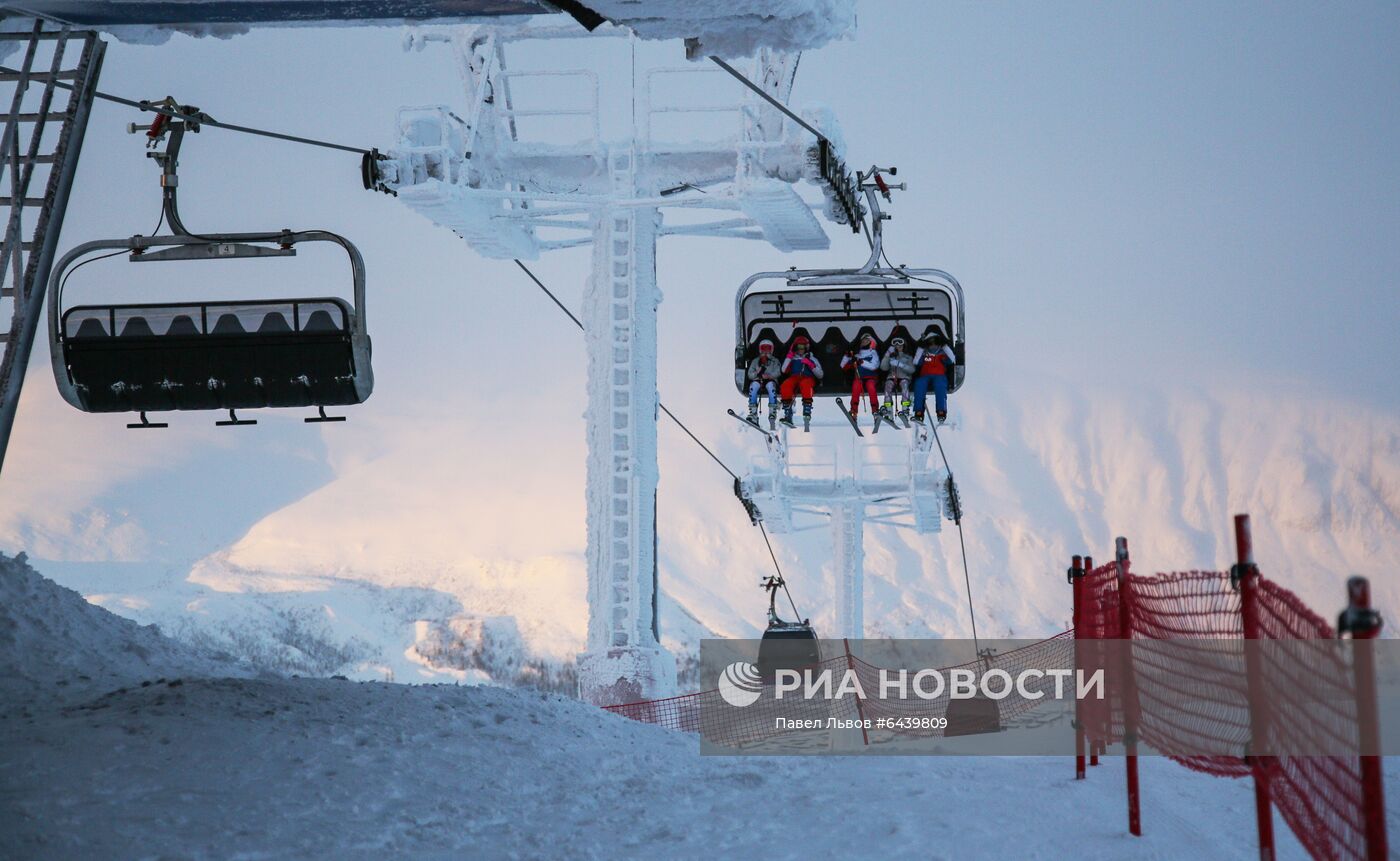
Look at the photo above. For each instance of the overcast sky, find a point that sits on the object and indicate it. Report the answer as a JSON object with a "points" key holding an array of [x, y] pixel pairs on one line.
{"points": [[1206, 193]]}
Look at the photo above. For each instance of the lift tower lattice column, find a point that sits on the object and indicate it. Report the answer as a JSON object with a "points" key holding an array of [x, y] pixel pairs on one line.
{"points": [[43, 134], [623, 661]]}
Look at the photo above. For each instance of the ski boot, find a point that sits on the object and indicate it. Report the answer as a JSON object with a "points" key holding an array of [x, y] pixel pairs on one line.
{"points": [[772, 415], [919, 417], [753, 413], [806, 416], [942, 416], [787, 415], [904, 407]]}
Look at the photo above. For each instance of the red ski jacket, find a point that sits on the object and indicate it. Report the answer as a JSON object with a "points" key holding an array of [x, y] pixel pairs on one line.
{"points": [[933, 363]]}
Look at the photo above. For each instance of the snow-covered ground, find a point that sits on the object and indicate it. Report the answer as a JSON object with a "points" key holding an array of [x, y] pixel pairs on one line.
{"points": [[128, 745]]}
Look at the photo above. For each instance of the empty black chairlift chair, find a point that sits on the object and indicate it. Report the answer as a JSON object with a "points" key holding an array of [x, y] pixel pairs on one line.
{"points": [[310, 352], [151, 357]]}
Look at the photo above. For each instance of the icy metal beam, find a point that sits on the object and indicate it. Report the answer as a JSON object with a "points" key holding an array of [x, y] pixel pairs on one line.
{"points": [[848, 538], [171, 13]]}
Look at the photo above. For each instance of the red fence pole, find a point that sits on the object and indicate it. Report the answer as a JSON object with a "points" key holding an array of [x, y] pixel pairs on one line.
{"points": [[1364, 625], [1129, 686], [1094, 745], [1089, 633], [1245, 576], [1075, 575]]}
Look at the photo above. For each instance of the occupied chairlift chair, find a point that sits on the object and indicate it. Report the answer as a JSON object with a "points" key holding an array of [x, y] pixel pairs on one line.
{"points": [[834, 307], [228, 355]]}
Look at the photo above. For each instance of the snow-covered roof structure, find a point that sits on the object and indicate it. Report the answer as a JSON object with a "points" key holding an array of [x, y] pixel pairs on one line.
{"points": [[736, 28]]}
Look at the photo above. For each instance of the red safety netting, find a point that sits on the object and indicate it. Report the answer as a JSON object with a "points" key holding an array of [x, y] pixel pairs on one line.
{"points": [[1189, 690], [1054, 653], [1099, 618], [705, 713], [1192, 694], [1320, 797], [1184, 687]]}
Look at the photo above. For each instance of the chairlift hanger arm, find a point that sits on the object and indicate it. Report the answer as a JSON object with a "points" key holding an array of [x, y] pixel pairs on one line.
{"points": [[873, 184]]}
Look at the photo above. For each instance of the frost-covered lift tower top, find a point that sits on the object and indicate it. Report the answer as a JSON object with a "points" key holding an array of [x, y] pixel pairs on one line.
{"points": [[513, 198]]}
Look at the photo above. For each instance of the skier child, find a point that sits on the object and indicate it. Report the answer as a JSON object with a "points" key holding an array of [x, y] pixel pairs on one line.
{"points": [[933, 360], [763, 375], [867, 368], [803, 371], [899, 369]]}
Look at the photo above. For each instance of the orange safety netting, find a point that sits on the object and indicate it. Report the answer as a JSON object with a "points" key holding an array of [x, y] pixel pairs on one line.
{"points": [[1198, 697], [705, 713], [1184, 688]]}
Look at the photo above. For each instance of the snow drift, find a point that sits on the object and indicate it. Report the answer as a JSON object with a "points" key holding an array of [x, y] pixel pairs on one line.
{"points": [[54, 643]]}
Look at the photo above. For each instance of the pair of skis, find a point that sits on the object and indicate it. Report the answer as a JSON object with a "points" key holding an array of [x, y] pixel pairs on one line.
{"points": [[807, 422], [880, 416], [770, 431]]}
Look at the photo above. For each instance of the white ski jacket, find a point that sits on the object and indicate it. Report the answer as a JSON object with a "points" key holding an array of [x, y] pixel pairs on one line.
{"points": [[898, 365]]}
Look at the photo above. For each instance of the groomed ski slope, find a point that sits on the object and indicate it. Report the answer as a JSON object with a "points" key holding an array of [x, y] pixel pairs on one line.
{"points": [[325, 768], [198, 767]]}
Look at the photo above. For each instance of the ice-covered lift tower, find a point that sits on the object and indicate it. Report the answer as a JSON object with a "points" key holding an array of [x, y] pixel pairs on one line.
{"points": [[471, 171]]}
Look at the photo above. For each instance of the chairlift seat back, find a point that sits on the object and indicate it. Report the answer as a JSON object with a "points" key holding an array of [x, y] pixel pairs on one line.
{"points": [[213, 355]]}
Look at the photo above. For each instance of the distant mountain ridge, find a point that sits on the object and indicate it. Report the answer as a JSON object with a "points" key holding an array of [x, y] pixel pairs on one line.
{"points": [[1044, 473]]}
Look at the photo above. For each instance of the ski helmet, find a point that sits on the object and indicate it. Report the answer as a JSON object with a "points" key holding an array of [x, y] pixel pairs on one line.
{"points": [[801, 341], [765, 346], [897, 343], [874, 344]]}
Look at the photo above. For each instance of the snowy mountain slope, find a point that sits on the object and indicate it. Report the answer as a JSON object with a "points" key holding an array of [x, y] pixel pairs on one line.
{"points": [[54, 644], [1043, 475], [69, 479], [200, 766], [1045, 472]]}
